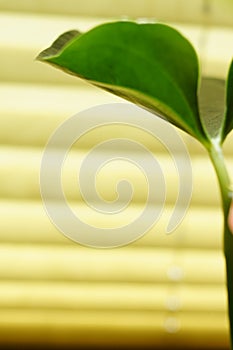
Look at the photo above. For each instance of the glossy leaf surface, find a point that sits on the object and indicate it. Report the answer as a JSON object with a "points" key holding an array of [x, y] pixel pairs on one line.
{"points": [[151, 65]]}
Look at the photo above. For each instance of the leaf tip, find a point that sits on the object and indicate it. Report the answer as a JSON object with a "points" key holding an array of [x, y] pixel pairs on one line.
{"points": [[57, 45]]}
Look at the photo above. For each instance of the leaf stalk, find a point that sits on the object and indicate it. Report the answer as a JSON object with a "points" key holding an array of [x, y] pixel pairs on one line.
{"points": [[217, 159]]}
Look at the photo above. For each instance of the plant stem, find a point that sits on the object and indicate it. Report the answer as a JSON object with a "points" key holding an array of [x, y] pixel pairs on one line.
{"points": [[216, 155], [228, 245]]}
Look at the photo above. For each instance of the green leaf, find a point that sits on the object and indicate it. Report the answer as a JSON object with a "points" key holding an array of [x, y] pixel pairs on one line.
{"points": [[228, 125], [211, 99], [151, 65]]}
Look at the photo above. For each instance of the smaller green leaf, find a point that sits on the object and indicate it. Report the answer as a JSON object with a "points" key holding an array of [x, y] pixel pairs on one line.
{"points": [[228, 125], [211, 99], [151, 65]]}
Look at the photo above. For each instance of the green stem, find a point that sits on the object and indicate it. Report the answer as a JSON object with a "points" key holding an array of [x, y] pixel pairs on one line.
{"points": [[215, 152], [228, 244]]}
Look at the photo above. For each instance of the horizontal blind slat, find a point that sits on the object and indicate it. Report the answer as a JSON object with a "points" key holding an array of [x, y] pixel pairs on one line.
{"points": [[128, 264], [124, 328], [200, 227], [112, 296], [20, 168], [218, 12]]}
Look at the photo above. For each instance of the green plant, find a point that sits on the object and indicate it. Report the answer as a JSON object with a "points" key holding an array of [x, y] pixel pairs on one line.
{"points": [[155, 67]]}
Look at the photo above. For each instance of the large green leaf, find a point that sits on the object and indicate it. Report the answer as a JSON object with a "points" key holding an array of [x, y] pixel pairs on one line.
{"points": [[151, 65], [228, 126]]}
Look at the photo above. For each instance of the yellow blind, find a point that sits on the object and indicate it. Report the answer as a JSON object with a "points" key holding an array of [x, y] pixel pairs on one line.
{"points": [[160, 291]]}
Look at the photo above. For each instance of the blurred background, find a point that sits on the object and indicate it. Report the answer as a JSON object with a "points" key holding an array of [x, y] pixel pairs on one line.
{"points": [[160, 292]]}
